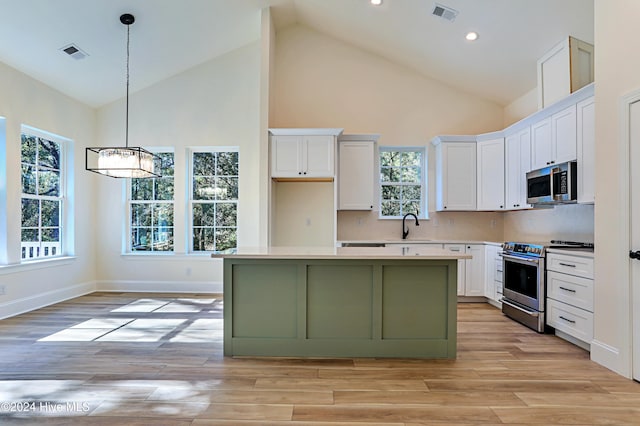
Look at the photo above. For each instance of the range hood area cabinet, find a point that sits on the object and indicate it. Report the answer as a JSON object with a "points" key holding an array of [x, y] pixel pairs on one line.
{"points": [[553, 139], [564, 69], [455, 173], [303, 154], [356, 171]]}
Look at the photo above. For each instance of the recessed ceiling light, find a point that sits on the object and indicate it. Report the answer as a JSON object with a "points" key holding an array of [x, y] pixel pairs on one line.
{"points": [[471, 36], [376, 2]]}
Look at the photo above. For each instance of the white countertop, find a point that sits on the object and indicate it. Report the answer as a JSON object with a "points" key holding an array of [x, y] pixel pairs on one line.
{"points": [[389, 252], [418, 241], [572, 251]]}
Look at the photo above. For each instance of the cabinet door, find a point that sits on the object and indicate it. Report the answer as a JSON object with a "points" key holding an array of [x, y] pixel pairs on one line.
{"points": [[541, 151], [491, 174], [459, 248], [286, 156], [356, 175], [491, 253], [517, 164], [563, 135], [474, 270], [586, 151], [458, 176], [318, 156]]}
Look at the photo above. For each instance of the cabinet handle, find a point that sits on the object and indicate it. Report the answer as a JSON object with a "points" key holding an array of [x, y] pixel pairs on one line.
{"points": [[567, 319], [305, 173], [501, 207], [567, 289], [567, 264], [552, 162], [299, 173], [370, 207], [445, 207]]}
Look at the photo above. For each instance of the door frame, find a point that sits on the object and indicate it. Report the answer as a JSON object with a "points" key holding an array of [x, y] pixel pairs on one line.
{"points": [[634, 294]]}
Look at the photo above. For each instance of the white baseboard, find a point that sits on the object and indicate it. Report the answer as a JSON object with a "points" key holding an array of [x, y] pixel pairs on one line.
{"points": [[608, 356], [26, 304], [161, 286]]}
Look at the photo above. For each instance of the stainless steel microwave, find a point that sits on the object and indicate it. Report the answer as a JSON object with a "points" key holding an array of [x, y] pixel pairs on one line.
{"points": [[556, 184]]}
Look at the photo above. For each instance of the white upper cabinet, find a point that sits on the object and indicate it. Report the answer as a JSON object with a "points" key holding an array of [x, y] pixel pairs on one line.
{"points": [[356, 172], [303, 156], [455, 173], [553, 139], [586, 151], [517, 164], [490, 163], [565, 68], [563, 135], [541, 151]]}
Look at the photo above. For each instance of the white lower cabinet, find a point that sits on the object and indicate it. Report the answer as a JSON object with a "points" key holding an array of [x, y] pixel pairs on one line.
{"points": [[493, 274], [570, 295], [471, 279]]}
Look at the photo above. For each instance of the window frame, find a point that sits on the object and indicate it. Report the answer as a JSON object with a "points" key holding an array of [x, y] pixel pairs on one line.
{"points": [[424, 214], [190, 200], [128, 246], [65, 214]]}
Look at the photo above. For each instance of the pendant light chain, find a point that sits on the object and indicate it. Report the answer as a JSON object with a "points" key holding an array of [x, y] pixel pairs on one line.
{"points": [[126, 136]]}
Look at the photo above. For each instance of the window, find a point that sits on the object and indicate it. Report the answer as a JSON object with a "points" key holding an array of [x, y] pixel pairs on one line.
{"points": [[42, 196], [151, 210], [402, 187], [214, 200]]}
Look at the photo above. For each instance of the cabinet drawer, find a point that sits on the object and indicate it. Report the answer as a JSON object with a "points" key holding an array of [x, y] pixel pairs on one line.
{"points": [[573, 265], [575, 291], [573, 321]]}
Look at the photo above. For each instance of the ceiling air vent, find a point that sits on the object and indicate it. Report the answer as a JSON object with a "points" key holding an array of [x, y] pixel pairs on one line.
{"points": [[444, 12], [74, 51]]}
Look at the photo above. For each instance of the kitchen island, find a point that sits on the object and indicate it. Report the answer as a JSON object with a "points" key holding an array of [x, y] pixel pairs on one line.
{"points": [[340, 302]]}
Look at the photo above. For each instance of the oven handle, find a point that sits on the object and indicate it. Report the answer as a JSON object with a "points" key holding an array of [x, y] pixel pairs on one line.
{"points": [[526, 311], [521, 260]]}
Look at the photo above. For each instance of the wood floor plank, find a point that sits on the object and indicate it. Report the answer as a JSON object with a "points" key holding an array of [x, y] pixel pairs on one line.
{"points": [[396, 412], [171, 370]]}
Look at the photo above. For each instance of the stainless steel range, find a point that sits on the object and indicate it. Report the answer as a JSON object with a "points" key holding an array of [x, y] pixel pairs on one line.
{"points": [[524, 283], [524, 279]]}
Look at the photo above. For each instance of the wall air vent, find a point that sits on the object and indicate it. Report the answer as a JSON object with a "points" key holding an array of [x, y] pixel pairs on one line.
{"points": [[444, 12], [74, 51]]}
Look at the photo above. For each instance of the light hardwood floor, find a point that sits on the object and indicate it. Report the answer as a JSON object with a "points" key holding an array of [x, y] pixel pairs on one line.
{"points": [[156, 359]]}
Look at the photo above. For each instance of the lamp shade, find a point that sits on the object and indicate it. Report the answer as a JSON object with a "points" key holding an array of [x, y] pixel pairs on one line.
{"points": [[123, 162]]}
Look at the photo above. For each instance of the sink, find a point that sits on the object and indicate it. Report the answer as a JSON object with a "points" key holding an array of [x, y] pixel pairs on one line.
{"points": [[363, 245]]}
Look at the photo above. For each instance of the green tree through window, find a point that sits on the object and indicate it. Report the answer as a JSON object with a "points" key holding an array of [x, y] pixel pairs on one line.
{"points": [[42, 197], [151, 210], [401, 182], [214, 200]]}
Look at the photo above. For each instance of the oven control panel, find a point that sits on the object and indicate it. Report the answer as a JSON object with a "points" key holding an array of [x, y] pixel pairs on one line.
{"points": [[523, 249]]}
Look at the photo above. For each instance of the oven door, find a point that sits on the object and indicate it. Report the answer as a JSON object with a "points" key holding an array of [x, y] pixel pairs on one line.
{"points": [[523, 280]]}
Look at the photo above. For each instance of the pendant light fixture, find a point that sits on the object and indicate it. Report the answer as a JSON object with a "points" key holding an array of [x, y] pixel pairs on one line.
{"points": [[124, 162]]}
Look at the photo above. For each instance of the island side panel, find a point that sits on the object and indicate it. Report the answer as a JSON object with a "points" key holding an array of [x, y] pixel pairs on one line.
{"points": [[339, 307]]}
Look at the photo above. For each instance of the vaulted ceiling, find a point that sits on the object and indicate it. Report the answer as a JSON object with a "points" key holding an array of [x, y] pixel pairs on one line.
{"points": [[171, 36]]}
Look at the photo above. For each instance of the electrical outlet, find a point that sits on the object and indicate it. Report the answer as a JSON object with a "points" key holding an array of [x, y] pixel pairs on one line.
{"points": [[493, 223]]}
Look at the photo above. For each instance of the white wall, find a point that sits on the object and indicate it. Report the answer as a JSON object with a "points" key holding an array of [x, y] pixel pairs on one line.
{"points": [[214, 104], [617, 74], [521, 107], [570, 222], [323, 82], [24, 100]]}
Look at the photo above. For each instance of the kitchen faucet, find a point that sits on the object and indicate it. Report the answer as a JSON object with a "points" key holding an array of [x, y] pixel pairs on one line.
{"points": [[405, 231]]}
